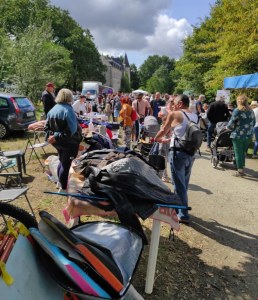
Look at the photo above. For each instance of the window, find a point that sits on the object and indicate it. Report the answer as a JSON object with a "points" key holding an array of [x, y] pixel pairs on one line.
{"points": [[3, 103], [22, 102]]}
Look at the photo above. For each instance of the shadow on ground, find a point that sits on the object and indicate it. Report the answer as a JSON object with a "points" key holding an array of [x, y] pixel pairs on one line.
{"points": [[180, 272]]}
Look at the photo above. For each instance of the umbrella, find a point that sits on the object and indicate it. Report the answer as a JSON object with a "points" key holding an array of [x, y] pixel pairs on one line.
{"points": [[139, 91]]}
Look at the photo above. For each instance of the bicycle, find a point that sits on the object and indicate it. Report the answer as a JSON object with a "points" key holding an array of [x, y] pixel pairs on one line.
{"points": [[112, 283]]}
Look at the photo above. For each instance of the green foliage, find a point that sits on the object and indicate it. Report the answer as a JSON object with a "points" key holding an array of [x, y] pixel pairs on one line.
{"points": [[151, 65], [70, 47], [125, 84], [224, 45], [37, 60], [5, 56], [160, 81], [134, 76]]}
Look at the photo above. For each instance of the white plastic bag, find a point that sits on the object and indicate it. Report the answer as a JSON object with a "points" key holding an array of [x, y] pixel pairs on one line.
{"points": [[52, 162]]}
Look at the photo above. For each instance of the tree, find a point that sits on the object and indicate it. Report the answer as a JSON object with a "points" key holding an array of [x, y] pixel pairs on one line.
{"points": [[5, 56], [152, 64], [87, 64], [160, 81], [225, 44], [38, 60], [125, 84], [18, 15], [134, 74]]}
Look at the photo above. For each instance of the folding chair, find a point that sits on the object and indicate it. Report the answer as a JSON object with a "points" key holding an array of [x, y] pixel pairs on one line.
{"points": [[14, 176], [34, 144], [19, 156], [6, 163], [9, 195]]}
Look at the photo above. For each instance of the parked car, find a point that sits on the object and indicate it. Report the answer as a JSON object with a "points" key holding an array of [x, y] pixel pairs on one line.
{"points": [[16, 113]]}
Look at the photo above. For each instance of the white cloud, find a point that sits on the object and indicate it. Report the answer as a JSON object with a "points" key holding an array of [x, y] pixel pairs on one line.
{"points": [[168, 36], [132, 26]]}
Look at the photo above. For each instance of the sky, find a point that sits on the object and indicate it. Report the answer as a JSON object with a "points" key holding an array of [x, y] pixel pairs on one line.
{"points": [[139, 28]]}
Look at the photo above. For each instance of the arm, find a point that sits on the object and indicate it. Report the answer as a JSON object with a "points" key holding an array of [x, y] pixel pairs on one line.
{"points": [[233, 119], [198, 107], [166, 128], [150, 109], [227, 113], [210, 113]]}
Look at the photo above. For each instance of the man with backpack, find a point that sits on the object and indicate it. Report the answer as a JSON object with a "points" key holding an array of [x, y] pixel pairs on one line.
{"points": [[186, 140]]}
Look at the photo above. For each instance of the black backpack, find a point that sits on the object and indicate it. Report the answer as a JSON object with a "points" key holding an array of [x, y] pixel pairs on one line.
{"points": [[191, 140]]}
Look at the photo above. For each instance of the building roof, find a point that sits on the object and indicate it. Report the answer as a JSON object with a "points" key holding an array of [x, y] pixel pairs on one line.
{"points": [[126, 62], [116, 62]]}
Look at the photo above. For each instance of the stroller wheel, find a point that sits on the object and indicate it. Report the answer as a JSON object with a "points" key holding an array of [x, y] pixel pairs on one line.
{"points": [[214, 161]]}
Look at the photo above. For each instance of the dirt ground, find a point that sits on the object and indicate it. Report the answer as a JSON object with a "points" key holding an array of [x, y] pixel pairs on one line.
{"points": [[213, 258]]}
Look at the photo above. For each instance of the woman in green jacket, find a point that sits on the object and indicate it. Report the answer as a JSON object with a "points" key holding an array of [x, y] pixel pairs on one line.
{"points": [[241, 123]]}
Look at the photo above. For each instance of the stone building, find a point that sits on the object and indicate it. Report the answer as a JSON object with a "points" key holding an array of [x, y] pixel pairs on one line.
{"points": [[116, 69]]}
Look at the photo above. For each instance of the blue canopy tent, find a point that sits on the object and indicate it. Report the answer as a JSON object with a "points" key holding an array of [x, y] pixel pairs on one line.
{"points": [[241, 82]]}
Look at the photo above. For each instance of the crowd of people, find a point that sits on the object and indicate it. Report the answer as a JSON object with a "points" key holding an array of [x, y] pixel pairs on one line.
{"points": [[172, 113]]}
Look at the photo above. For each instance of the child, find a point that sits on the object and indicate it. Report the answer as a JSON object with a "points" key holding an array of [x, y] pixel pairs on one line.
{"points": [[164, 145]]}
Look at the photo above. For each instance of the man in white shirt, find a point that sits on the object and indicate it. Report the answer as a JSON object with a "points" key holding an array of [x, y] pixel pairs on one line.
{"points": [[79, 106], [181, 162]]}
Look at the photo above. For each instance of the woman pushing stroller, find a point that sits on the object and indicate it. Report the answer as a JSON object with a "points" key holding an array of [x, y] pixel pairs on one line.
{"points": [[241, 123]]}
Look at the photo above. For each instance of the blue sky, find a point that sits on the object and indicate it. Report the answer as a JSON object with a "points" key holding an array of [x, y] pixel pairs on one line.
{"points": [[139, 28], [192, 10]]}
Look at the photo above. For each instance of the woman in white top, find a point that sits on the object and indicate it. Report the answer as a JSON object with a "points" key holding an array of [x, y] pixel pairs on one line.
{"points": [[79, 105], [254, 106]]}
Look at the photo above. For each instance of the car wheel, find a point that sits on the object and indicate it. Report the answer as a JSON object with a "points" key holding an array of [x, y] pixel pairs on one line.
{"points": [[4, 131]]}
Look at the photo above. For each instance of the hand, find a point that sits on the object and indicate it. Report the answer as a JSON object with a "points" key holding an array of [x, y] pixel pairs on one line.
{"points": [[51, 139], [159, 136]]}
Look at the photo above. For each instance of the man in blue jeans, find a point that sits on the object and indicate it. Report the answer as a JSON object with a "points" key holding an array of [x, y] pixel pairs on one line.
{"points": [[181, 162]]}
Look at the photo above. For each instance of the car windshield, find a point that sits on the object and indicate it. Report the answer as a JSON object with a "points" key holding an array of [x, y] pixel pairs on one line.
{"points": [[22, 102], [93, 92]]}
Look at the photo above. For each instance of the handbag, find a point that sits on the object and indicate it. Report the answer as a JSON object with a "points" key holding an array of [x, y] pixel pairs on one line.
{"points": [[155, 149], [155, 160], [133, 115]]}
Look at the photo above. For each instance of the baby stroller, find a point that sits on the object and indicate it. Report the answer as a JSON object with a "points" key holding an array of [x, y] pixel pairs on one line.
{"points": [[204, 127], [148, 131], [222, 147]]}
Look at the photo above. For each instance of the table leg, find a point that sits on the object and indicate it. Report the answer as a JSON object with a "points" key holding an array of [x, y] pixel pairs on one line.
{"points": [[153, 253], [23, 163], [19, 163]]}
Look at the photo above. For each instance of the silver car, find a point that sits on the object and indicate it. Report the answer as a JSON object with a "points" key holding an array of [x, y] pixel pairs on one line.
{"points": [[16, 113]]}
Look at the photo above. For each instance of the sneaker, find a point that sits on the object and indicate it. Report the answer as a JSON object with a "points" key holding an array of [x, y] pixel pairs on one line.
{"points": [[58, 185], [255, 156], [239, 174], [208, 149]]}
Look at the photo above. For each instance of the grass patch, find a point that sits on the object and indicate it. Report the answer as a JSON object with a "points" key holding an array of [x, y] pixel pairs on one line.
{"points": [[45, 203]]}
